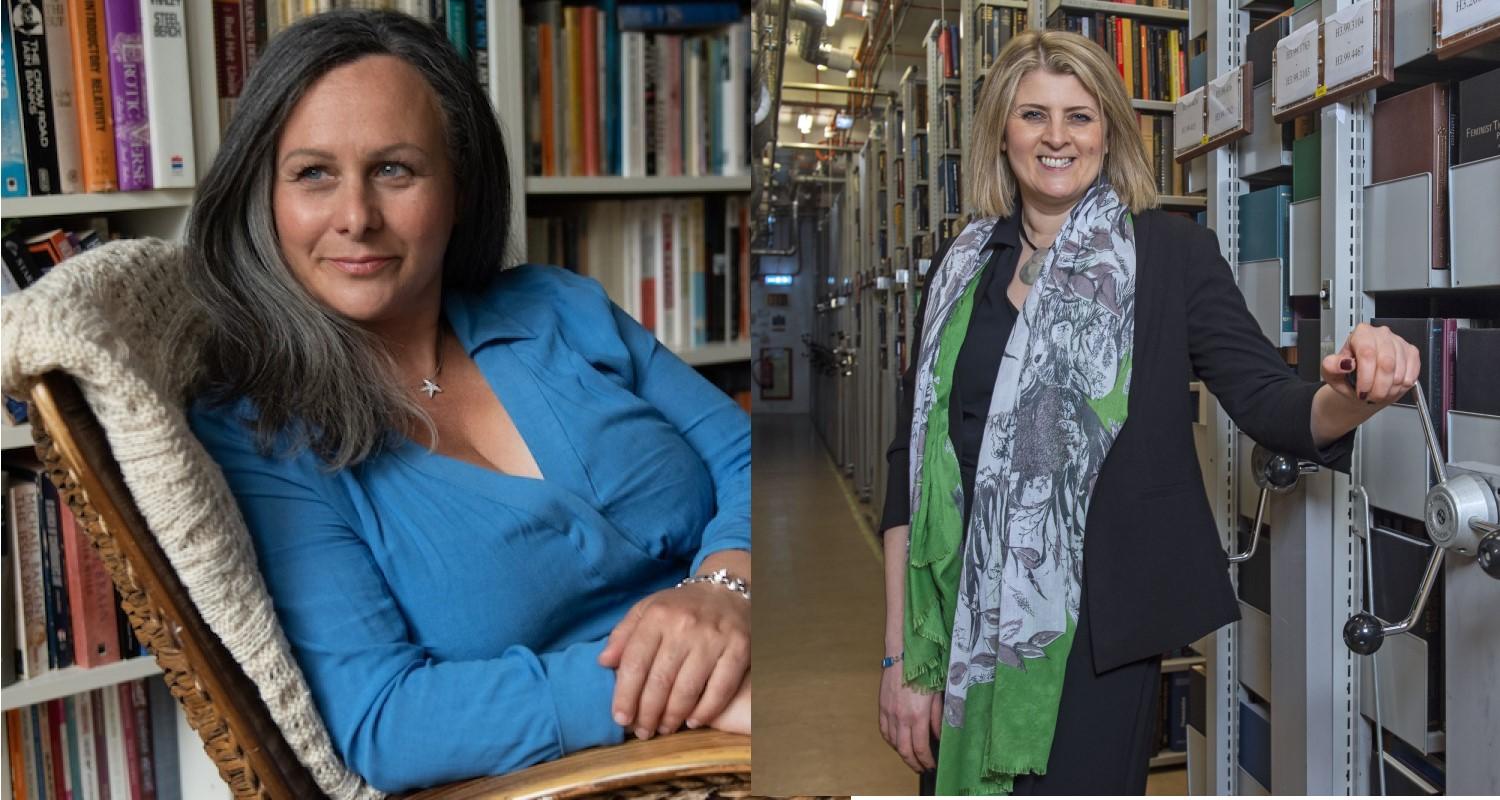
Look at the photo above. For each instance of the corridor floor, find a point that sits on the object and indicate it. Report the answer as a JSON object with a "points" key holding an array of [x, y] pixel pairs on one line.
{"points": [[819, 616]]}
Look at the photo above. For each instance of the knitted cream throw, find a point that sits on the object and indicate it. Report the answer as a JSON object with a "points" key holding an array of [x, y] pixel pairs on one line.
{"points": [[103, 317]]}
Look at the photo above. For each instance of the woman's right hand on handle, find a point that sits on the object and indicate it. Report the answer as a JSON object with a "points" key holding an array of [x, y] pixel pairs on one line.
{"points": [[909, 720]]}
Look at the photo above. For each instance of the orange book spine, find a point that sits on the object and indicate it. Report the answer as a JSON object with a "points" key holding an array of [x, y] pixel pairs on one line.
{"points": [[91, 598], [15, 751], [96, 118], [589, 74], [546, 90]]}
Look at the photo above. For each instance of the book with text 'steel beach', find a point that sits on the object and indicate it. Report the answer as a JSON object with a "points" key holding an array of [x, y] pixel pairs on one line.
{"points": [[164, 40]]}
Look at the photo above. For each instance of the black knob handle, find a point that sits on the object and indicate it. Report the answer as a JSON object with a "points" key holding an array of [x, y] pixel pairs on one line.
{"points": [[1363, 634], [1489, 555], [1282, 472]]}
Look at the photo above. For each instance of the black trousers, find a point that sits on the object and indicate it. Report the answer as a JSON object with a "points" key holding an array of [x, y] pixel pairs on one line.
{"points": [[1105, 728]]}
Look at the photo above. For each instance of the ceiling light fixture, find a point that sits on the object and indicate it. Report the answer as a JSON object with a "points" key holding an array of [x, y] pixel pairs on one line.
{"points": [[834, 9]]}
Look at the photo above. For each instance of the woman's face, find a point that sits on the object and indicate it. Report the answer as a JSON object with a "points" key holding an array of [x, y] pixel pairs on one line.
{"points": [[364, 194], [1054, 139]]}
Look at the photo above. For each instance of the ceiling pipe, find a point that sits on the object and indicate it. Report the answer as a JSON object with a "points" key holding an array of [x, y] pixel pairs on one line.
{"points": [[811, 14]]}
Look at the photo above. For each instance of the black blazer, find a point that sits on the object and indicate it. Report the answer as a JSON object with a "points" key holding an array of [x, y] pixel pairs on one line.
{"points": [[1156, 575]]}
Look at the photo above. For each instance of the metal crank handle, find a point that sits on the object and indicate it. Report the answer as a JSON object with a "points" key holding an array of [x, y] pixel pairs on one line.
{"points": [[1273, 472]]}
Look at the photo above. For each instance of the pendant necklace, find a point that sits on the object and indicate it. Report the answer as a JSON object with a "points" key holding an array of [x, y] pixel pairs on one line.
{"points": [[1032, 269], [429, 384]]}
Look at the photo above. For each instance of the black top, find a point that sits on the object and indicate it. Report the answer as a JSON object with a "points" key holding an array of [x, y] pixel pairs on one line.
{"points": [[1156, 574]]}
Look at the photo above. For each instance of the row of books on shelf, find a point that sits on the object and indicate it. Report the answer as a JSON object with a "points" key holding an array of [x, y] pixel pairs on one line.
{"points": [[30, 253], [995, 27], [681, 267], [950, 183], [1156, 133], [613, 101], [949, 126], [1149, 56], [243, 28], [62, 606], [117, 742], [95, 97]]}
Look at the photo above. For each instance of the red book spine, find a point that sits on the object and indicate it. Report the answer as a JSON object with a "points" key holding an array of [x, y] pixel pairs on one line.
{"points": [[140, 710], [91, 598], [132, 745], [590, 81], [544, 39], [56, 718]]}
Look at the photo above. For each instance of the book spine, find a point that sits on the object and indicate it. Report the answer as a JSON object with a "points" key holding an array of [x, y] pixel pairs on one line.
{"points": [[479, 43], [64, 98], [30, 46], [613, 161], [13, 180], [115, 734], [88, 761], [56, 714], [736, 103], [674, 103], [229, 61], [252, 32], [54, 562], [588, 72], [575, 157], [46, 766], [676, 16], [141, 710], [102, 741], [122, 23], [545, 91], [627, 110], [653, 103], [168, 97], [96, 119], [164, 760], [457, 20], [131, 737], [91, 597], [26, 549], [15, 752], [31, 752]]}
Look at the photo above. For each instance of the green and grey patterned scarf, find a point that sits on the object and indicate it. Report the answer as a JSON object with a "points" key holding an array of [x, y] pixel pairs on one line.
{"points": [[990, 617]]}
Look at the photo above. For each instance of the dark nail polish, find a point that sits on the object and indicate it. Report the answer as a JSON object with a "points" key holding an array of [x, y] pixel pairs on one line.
{"points": [[1364, 396], [1347, 364]]}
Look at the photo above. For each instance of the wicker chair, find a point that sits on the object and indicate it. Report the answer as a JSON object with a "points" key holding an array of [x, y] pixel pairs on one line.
{"points": [[255, 751]]}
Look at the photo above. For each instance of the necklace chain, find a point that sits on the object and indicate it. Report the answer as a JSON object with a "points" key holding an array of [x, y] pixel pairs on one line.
{"points": [[429, 384]]}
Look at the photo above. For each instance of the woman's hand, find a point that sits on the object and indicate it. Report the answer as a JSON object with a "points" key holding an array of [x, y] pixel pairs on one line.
{"points": [[909, 720], [1385, 367], [680, 655], [736, 717]]}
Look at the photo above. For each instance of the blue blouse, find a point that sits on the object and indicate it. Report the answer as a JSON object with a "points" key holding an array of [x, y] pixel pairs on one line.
{"points": [[448, 617]]}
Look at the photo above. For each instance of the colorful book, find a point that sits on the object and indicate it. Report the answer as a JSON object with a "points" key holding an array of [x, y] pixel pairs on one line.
{"points": [[55, 569], [91, 598], [64, 98], [229, 59], [96, 116], [25, 529], [677, 16], [122, 24], [168, 96], [13, 180], [29, 43]]}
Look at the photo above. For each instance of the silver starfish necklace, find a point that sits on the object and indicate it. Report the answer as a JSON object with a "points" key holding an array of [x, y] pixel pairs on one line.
{"points": [[429, 384]]}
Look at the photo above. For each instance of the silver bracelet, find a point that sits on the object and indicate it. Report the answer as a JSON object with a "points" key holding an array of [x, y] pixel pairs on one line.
{"points": [[721, 577]]}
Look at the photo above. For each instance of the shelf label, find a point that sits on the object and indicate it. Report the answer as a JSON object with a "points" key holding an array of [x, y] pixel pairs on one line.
{"points": [[1187, 119], [1226, 103], [1295, 74], [1349, 43], [1461, 15]]}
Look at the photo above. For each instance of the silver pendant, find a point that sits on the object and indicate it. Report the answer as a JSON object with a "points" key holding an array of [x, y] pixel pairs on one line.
{"points": [[430, 388]]}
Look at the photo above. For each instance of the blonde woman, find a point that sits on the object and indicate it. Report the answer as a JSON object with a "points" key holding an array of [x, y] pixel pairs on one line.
{"points": [[1047, 398]]}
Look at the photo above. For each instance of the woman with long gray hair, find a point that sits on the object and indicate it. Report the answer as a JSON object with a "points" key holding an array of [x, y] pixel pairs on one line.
{"points": [[500, 522]]}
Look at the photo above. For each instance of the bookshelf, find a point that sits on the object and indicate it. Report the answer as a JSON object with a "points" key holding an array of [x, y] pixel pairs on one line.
{"points": [[1320, 701], [913, 92], [570, 186], [1120, 9], [76, 680], [15, 436]]}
